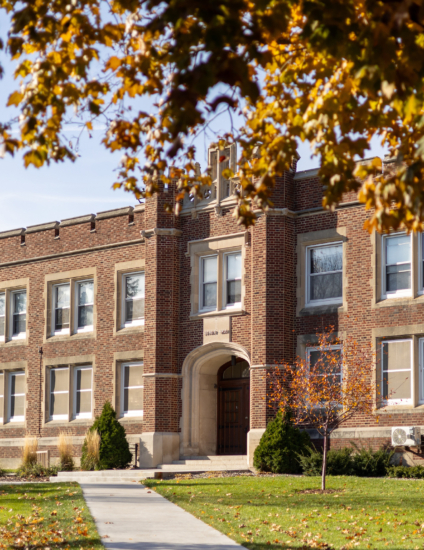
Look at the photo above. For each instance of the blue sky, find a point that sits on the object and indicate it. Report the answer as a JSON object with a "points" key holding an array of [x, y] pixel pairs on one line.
{"points": [[31, 196]]}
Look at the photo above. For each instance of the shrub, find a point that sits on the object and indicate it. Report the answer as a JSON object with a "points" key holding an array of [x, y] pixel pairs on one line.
{"points": [[90, 456], [29, 451], [369, 463], [413, 472], [280, 446], [114, 450], [36, 470], [339, 462], [347, 462], [64, 445], [311, 463]]}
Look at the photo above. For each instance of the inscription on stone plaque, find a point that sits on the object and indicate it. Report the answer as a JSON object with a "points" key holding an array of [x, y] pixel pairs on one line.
{"points": [[217, 329]]}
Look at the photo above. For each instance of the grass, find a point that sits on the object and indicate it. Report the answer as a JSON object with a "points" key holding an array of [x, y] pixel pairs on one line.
{"points": [[46, 515], [272, 512]]}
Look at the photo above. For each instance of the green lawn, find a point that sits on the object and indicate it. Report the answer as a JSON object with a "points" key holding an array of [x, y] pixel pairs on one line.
{"points": [[272, 512], [46, 515]]}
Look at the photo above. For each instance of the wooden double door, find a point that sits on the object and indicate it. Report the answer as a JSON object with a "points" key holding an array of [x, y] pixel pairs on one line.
{"points": [[233, 408]]}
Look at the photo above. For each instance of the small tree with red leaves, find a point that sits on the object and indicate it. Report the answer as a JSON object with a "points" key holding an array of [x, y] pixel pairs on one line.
{"points": [[328, 388]]}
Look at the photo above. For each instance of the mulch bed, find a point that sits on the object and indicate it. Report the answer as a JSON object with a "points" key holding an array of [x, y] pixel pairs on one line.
{"points": [[13, 478]]}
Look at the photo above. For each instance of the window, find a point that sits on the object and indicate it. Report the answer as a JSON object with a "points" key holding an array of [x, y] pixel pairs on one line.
{"points": [[18, 313], [16, 397], [396, 371], [209, 283], [133, 302], [2, 316], [85, 303], [326, 363], [233, 279], [59, 393], [1, 396], [396, 265], [132, 389], [325, 273], [61, 308], [83, 392]]}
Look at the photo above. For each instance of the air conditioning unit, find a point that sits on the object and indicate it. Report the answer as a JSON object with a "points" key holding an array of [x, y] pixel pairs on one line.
{"points": [[406, 436]]}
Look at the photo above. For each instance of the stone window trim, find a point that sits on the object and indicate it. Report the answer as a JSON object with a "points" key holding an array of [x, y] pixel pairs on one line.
{"points": [[72, 277], [385, 294], [121, 358], [405, 332], [305, 241], [416, 295], [121, 270], [307, 342], [72, 363], [8, 288], [6, 370], [218, 246], [308, 276]]}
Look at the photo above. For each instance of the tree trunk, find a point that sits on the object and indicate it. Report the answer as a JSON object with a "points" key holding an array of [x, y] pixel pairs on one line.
{"points": [[324, 463]]}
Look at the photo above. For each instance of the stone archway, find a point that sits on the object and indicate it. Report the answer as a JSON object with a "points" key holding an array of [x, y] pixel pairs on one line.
{"points": [[199, 395]]}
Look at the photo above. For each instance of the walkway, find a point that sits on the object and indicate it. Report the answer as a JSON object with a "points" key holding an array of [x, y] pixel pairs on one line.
{"points": [[131, 517]]}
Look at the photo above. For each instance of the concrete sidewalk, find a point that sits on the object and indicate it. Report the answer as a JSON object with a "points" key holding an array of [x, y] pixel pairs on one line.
{"points": [[131, 517]]}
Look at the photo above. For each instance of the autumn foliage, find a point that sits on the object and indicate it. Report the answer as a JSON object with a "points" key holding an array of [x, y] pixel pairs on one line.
{"points": [[153, 74], [328, 388]]}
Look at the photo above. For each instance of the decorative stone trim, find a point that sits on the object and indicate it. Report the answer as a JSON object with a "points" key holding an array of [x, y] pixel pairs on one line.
{"points": [[41, 227], [162, 375], [12, 233], [114, 213], [75, 221], [264, 366], [148, 233]]}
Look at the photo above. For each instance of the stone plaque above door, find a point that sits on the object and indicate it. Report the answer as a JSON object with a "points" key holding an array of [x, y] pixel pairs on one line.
{"points": [[217, 329]]}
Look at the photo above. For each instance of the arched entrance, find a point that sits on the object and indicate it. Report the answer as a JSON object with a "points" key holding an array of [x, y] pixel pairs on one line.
{"points": [[199, 423], [233, 407]]}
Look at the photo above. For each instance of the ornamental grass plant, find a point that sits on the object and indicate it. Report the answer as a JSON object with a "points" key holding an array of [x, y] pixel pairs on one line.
{"points": [[29, 451], [66, 451], [90, 456]]}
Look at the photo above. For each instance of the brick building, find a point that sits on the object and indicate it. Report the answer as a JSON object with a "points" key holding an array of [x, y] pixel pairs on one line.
{"points": [[176, 320]]}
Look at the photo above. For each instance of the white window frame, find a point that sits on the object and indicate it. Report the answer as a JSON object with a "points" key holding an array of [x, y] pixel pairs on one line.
{"points": [[2, 378], [236, 305], [327, 348], [3, 338], [203, 309], [57, 416], [411, 369], [137, 322], [123, 413], [398, 293], [9, 398], [421, 372], [20, 335], [76, 416], [88, 328], [337, 300], [53, 320]]}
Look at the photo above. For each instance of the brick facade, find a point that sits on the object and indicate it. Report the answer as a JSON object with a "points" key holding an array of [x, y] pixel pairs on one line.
{"points": [[173, 343]]}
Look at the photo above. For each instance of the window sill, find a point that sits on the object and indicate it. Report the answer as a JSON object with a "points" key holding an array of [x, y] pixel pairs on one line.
{"points": [[67, 337], [10, 425], [402, 409], [130, 330], [321, 309], [401, 301], [220, 313], [73, 422], [131, 419], [19, 342]]}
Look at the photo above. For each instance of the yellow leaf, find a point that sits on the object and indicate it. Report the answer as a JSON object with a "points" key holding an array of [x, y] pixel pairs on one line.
{"points": [[113, 63], [15, 99]]}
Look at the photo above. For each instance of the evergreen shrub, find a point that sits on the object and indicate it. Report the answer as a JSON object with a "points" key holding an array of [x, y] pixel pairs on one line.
{"points": [[412, 472], [347, 462], [280, 446], [114, 451]]}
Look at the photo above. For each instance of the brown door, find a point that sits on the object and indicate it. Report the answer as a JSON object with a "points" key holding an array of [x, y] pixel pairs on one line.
{"points": [[233, 408]]}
